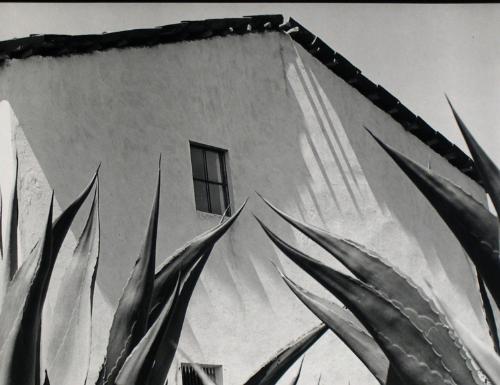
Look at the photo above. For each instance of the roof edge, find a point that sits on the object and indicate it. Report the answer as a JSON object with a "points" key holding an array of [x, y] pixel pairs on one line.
{"points": [[64, 45], [382, 98]]}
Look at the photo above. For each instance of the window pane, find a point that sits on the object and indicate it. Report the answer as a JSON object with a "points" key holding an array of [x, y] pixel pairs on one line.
{"points": [[213, 166], [200, 196], [197, 163], [217, 198]]}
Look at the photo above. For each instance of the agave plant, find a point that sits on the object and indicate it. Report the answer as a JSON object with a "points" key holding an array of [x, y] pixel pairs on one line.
{"points": [[400, 334], [148, 320], [277, 366]]}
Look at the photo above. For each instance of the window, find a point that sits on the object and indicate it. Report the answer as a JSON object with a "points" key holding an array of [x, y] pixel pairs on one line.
{"points": [[210, 179], [191, 377]]}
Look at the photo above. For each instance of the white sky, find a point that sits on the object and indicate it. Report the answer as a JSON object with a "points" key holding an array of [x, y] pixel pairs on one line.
{"points": [[416, 51]]}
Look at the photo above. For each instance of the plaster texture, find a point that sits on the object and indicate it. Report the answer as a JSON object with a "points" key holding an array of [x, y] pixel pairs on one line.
{"points": [[293, 131]]}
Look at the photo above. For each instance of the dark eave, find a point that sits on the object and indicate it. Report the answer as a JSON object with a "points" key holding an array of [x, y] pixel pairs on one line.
{"points": [[62, 45]]}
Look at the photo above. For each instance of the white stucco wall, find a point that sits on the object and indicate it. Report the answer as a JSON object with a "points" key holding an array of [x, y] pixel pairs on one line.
{"points": [[293, 131]]}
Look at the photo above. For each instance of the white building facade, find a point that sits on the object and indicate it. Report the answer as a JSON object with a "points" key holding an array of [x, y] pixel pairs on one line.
{"points": [[277, 112]]}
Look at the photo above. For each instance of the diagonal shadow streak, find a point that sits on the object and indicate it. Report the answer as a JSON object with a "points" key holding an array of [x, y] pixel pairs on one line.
{"points": [[323, 130], [332, 127]]}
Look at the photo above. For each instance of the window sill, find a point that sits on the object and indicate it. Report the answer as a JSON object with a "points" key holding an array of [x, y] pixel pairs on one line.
{"points": [[210, 216]]}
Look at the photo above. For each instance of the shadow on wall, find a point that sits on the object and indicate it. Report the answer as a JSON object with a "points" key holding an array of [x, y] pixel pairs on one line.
{"points": [[393, 216], [297, 139]]}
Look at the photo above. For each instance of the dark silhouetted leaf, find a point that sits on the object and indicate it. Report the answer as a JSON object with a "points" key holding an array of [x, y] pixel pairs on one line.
{"points": [[490, 175], [69, 333], [173, 327], [183, 260], [9, 256], [295, 380], [63, 222], [131, 317], [345, 325], [138, 364], [413, 342], [276, 367], [473, 225], [371, 269], [20, 319]]}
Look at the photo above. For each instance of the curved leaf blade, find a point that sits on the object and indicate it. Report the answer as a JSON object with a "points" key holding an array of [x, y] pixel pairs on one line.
{"points": [[295, 380], [473, 225], [130, 321], [274, 369], [172, 331], [63, 222], [20, 319], [69, 334], [490, 175], [184, 259], [372, 270], [9, 257], [139, 362], [344, 325], [406, 344]]}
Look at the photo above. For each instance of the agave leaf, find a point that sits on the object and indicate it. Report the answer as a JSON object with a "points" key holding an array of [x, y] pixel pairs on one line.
{"points": [[69, 333], [274, 369], [372, 270], [140, 360], [489, 314], [172, 332], [46, 381], [487, 359], [342, 323], [63, 222], [295, 380], [488, 171], [9, 257], [20, 319], [412, 342], [473, 225], [183, 260], [131, 317]]}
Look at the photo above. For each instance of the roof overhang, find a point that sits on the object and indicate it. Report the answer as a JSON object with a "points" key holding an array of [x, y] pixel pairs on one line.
{"points": [[63, 45]]}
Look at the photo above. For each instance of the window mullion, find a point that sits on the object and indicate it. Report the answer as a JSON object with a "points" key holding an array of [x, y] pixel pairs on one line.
{"points": [[225, 189], [207, 185]]}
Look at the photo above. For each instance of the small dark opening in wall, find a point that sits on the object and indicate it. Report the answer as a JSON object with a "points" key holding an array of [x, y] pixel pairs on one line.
{"points": [[210, 180], [191, 377]]}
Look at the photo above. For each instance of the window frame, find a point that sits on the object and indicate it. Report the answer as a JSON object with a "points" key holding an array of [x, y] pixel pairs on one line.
{"points": [[218, 371], [222, 158]]}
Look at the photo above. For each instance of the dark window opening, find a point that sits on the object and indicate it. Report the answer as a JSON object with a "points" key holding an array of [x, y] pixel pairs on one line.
{"points": [[210, 179], [191, 377]]}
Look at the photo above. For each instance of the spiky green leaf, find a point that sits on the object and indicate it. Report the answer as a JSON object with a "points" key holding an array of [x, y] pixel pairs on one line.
{"points": [[130, 321], [484, 356], [63, 222], [413, 342], [488, 171], [295, 380], [139, 362], [173, 327], [345, 326], [276, 367], [473, 225], [183, 260], [9, 257], [20, 319], [69, 333], [373, 270]]}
